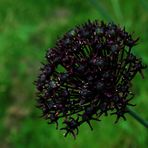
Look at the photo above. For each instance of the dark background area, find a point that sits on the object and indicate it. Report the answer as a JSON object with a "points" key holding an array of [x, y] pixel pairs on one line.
{"points": [[27, 29]]}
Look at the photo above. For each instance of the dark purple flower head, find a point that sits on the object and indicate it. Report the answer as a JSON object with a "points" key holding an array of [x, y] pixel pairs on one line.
{"points": [[88, 74]]}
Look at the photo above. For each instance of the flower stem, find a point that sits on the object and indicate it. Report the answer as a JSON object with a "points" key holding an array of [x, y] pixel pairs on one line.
{"points": [[137, 117]]}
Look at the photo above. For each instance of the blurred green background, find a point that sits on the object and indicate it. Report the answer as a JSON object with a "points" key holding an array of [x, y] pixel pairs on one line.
{"points": [[27, 29]]}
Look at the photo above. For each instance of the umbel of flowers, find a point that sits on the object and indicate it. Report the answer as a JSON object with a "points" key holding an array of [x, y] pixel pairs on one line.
{"points": [[87, 75]]}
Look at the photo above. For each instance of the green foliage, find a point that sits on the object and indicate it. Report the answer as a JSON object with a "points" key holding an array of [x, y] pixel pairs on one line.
{"points": [[27, 30]]}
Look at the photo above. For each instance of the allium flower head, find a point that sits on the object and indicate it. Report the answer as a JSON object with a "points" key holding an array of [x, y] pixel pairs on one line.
{"points": [[87, 75]]}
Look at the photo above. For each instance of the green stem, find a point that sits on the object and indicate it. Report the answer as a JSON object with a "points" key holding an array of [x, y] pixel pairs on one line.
{"points": [[137, 117], [98, 5]]}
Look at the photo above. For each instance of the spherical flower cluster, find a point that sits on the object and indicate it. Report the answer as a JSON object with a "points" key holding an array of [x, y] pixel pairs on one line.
{"points": [[88, 74]]}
